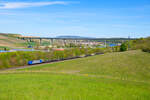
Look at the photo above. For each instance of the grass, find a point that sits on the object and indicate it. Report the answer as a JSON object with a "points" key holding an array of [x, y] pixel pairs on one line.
{"points": [[112, 76], [11, 41], [126, 65], [2, 48]]}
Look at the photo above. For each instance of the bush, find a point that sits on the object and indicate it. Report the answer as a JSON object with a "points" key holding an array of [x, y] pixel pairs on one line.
{"points": [[146, 49], [123, 47]]}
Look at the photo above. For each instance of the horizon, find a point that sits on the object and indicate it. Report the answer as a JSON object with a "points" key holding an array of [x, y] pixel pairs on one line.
{"points": [[51, 18], [72, 36]]}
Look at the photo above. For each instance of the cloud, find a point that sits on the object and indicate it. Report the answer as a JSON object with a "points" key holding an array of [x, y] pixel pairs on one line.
{"points": [[13, 5]]}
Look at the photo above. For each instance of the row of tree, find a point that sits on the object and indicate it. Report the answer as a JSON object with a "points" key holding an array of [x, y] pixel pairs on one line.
{"points": [[16, 59]]}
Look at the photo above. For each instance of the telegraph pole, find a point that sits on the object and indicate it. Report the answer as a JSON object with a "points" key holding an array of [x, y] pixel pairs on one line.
{"points": [[128, 42]]}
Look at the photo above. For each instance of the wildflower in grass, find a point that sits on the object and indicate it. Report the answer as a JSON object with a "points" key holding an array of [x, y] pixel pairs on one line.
{"points": [[86, 75]]}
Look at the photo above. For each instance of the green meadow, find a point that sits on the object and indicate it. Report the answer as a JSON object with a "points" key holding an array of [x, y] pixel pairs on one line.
{"points": [[111, 76]]}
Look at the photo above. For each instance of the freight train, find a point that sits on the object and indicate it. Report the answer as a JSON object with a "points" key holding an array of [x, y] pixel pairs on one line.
{"points": [[34, 62]]}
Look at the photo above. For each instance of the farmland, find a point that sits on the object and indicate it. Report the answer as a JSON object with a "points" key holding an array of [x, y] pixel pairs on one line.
{"points": [[112, 76], [10, 41]]}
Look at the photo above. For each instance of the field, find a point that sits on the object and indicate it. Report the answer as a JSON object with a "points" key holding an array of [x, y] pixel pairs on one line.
{"points": [[9, 41], [112, 76]]}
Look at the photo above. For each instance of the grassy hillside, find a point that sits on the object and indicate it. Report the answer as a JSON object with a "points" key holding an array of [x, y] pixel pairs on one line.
{"points": [[112, 76], [142, 43], [123, 65], [10, 41]]}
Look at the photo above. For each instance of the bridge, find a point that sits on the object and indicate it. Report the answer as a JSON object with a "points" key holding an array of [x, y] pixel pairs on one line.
{"points": [[78, 40]]}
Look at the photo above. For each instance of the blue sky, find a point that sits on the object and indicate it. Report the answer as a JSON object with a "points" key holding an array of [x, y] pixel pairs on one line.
{"points": [[92, 18]]}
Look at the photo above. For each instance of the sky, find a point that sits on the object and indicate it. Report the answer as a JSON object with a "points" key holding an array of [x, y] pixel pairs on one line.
{"points": [[90, 18]]}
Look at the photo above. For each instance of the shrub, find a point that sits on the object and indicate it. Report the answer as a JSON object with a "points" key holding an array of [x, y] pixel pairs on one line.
{"points": [[123, 47], [146, 49]]}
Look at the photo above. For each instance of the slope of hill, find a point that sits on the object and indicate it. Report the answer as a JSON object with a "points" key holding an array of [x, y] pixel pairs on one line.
{"points": [[142, 43], [11, 41], [112, 76]]}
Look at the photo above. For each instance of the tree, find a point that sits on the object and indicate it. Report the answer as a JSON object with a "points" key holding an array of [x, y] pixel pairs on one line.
{"points": [[123, 47]]}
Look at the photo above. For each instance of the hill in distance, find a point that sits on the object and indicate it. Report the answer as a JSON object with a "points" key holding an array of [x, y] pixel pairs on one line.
{"points": [[11, 41], [76, 37]]}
